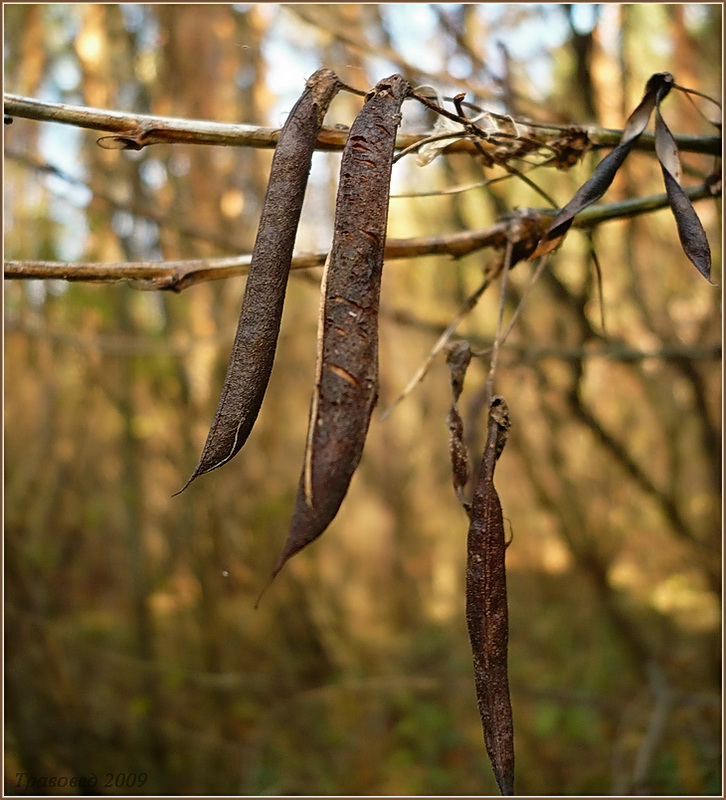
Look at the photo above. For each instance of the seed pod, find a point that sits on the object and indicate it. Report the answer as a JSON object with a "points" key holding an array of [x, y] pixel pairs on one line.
{"points": [[486, 605], [346, 387], [255, 342], [458, 357]]}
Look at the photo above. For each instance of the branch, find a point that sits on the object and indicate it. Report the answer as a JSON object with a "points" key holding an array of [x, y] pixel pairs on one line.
{"points": [[135, 131], [178, 275]]}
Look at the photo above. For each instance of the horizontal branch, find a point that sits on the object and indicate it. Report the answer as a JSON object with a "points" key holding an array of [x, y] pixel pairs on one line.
{"points": [[135, 131], [178, 275]]}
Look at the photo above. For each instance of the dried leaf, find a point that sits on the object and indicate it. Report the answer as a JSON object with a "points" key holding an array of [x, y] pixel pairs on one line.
{"points": [[690, 230], [431, 150], [255, 342], [347, 371], [593, 189], [486, 605], [427, 152]]}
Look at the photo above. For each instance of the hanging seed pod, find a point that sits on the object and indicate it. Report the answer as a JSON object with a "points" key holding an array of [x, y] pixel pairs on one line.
{"points": [[346, 387], [486, 605], [255, 342], [458, 357], [690, 230], [598, 183]]}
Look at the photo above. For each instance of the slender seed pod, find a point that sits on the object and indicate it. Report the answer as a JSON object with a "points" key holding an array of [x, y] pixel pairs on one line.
{"points": [[346, 387], [486, 605], [255, 342], [458, 358]]}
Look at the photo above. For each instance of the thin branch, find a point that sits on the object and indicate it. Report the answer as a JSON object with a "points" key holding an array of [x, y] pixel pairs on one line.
{"points": [[135, 131], [178, 275], [466, 308], [494, 360], [537, 269]]}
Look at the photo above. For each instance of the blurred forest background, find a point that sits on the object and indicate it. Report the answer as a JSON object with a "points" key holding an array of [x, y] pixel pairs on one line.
{"points": [[132, 645]]}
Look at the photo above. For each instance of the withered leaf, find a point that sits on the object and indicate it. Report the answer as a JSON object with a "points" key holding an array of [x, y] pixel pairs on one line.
{"points": [[486, 605], [347, 369], [255, 342], [598, 183], [690, 230]]}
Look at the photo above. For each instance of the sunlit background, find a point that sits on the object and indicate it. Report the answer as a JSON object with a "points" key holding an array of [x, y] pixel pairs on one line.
{"points": [[132, 646]]}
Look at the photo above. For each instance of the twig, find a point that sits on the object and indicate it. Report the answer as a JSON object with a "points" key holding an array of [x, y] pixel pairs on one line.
{"points": [[180, 274], [468, 305], [134, 131], [491, 376], [502, 337]]}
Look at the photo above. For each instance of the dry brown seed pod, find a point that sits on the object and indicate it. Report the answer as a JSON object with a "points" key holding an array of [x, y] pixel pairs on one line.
{"points": [[487, 614], [255, 342], [346, 387], [458, 357]]}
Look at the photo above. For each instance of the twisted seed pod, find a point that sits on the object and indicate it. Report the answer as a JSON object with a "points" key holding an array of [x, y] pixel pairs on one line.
{"points": [[347, 369], [458, 357], [255, 342]]}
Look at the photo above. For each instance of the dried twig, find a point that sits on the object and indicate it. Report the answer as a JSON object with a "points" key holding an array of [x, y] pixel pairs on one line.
{"points": [[466, 308], [181, 274], [134, 131]]}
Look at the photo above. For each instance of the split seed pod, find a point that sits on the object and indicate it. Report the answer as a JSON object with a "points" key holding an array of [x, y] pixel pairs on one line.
{"points": [[599, 182], [255, 342], [487, 615], [346, 387], [690, 230]]}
